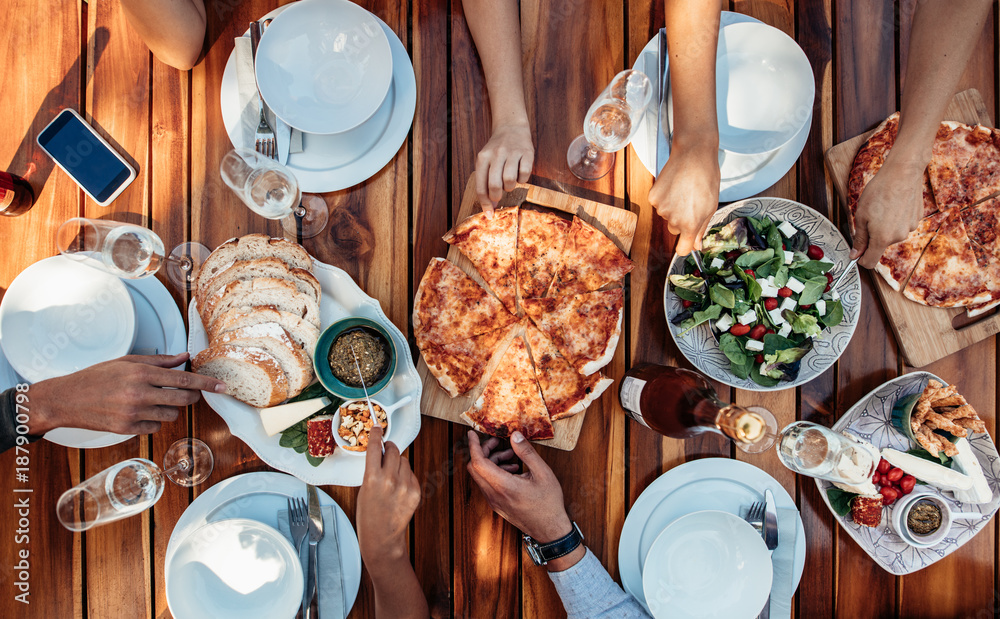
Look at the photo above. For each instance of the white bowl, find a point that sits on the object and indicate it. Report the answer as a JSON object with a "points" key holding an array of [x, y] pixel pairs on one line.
{"points": [[709, 564], [324, 66], [764, 88], [60, 316], [386, 436], [901, 510], [238, 568]]}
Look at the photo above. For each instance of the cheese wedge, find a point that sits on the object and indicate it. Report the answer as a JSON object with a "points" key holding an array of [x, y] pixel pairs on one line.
{"points": [[967, 462], [278, 418], [865, 489], [934, 474]]}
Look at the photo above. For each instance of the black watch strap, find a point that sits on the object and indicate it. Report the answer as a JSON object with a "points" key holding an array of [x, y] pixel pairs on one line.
{"points": [[543, 553]]}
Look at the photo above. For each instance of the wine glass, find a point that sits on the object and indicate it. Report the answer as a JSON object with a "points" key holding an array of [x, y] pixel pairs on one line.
{"points": [[611, 121], [129, 251], [270, 189], [133, 486]]}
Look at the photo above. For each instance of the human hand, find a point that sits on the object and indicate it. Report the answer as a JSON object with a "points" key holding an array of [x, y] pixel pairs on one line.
{"points": [[388, 498], [531, 501], [505, 160], [889, 209], [686, 194], [124, 396]]}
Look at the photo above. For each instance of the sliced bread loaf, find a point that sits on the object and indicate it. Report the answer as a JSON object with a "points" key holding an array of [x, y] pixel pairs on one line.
{"points": [[278, 293], [303, 333], [250, 247], [269, 336], [252, 375], [270, 267]]}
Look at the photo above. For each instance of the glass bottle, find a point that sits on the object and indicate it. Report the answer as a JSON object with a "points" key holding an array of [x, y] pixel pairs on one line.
{"points": [[16, 195], [817, 451]]}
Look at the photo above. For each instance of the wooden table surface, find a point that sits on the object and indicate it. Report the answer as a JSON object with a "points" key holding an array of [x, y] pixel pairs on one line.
{"points": [[68, 53]]}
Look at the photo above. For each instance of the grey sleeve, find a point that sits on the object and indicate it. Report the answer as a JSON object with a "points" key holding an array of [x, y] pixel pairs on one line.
{"points": [[587, 592]]}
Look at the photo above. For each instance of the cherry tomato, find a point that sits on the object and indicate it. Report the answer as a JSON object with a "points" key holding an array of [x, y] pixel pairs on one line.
{"points": [[889, 495], [783, 248], [895, 474], [749, 272], [686, 303], [785, 291], [770, 331], [697, 273], [739, 329], [814, 252], [906, 483], [807, 306], [757, 332], [829, 277], [884, 466], [770, 303], [759, 358]]}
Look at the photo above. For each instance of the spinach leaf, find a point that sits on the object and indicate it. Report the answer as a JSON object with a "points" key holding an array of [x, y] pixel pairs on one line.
{"points": [[740, 362], [300, 448], [752, 259], [802, 323], [840, 500], [314, 461], [723, 296], [774, 342], [774, 240], [781, 276], [689, 282], [756, 229], [765, 269], [689, 295], [812, 291], [712, 313], [741, 369], [834, 313], [920, 452], [810, 268], [752, 287], [764, 381]]}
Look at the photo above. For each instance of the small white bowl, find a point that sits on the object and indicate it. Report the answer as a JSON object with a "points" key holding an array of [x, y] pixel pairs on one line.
{"points": [[324, 66], [234, 569], [764, 88], [60, 316], [386, 436], [902, 509]]}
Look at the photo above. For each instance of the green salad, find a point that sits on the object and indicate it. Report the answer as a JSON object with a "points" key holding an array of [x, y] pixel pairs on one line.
{"points": [[766, 294]]}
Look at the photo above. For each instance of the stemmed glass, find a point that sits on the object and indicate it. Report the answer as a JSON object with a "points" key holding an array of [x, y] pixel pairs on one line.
{"points": [[611, 121], [129, 251], [272, 191], [133, 486]]}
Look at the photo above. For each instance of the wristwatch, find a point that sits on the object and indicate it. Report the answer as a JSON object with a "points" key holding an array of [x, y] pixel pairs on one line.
{"points": [[543, 553]]}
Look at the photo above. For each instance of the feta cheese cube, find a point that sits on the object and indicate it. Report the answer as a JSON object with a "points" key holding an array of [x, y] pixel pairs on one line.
{"points": [[724, 322], [770, 279], [789, 256], [767, 289], [748, 318], [795, 285], [717, 263], [762, 366], [776, 316], [785, 330], [821, 307], [787, 229], [788, 304], [755, 345]]}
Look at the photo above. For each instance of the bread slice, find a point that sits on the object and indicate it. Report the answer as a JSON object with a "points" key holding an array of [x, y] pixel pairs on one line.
{"points": [[269, 336], [252, 375], [303, 333], [269, 267], [250, 247], [279, 293]]}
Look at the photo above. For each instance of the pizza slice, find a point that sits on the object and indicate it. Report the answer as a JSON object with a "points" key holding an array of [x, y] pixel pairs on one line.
{"points": [[589, 260], [585, 328], [459, 366], [930, 206], [947, 274], [869, 159], [511, 400], [566, 392], [982, 223], [953, 148], [490, 243], [540, 242], [898, 259], [450, 306], [981, 176]]}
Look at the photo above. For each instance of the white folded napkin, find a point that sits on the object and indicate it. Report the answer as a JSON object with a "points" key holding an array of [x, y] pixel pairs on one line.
{"points": [[783, 564], [332, 602], [288, 140]]}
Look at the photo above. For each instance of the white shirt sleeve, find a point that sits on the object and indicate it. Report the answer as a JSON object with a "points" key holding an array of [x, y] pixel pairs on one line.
{"points": [[587, 592]]}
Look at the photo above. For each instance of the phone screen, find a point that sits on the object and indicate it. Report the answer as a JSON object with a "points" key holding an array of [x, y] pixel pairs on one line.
{"points": [[87, 160]]}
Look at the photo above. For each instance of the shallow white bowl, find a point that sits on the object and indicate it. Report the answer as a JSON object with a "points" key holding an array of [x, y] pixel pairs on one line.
{"points": [[60, 316], [764, 88], [708, 564], [324, 66], [238, 568]]}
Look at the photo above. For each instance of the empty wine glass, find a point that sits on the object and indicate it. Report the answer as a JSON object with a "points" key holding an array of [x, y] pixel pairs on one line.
{"points": [[609, 125], [133, 486], [129, 251], [272, 191]]}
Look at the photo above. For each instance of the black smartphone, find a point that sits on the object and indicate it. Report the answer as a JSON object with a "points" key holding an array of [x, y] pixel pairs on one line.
{"points": [[88, 159]]}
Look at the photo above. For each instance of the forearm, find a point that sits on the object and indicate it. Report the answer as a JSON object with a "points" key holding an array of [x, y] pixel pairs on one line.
{"points": [[692, 28], [587, 591], [397, 590], [943, 36], [174, 30], [496, 31]]}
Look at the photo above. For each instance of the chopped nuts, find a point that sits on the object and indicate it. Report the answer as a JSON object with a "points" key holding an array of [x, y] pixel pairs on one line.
{"points": [[356, 422]]}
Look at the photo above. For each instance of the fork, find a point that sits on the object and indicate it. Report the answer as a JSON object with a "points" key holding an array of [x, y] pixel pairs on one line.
{"points": [[264, 135], [298, 524], [755, 516]]}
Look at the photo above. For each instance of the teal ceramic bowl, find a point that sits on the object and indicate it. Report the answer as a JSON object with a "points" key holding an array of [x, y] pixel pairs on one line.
{"points": [[322, 353]]}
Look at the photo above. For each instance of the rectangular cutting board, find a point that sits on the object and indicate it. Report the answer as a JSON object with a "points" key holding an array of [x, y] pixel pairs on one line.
{"points": [[925, 334], [617, 223]]}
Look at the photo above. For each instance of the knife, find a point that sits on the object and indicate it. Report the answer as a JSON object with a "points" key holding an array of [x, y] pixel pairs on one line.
{"points": [[315, 535], [663, 122], [770, 534]]}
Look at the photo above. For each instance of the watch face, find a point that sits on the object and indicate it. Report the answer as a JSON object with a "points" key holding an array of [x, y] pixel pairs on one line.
{"points": [[536, 556]]}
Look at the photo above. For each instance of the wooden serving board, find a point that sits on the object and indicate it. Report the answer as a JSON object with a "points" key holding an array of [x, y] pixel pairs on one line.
{"points": [[925, 334], [618, 224]]}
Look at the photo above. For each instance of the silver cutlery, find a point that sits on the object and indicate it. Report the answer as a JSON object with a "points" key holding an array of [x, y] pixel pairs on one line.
{"points": [[696, 256], [755, 516], [264, 136], [770, 521], [371, 410], [663, 121], [315, 535], [298, 524], [847, 270]]}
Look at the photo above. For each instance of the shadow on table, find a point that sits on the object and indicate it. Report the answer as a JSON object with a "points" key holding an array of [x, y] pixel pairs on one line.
{"points": [[30, 161]]}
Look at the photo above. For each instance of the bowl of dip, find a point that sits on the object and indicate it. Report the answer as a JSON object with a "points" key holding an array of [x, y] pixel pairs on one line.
{"points": [[924, 519], [334, 362]]}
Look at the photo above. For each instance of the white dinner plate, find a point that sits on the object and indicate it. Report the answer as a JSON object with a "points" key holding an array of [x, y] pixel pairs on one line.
{"points": [[719, 484], [334, 162], [234, 569], [742, 175], [342, 298], [700, 347], [260, 496], [707, 565]]}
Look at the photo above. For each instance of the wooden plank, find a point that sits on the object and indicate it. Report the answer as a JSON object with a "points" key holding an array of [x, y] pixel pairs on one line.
{"points": [[865, 80]]}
